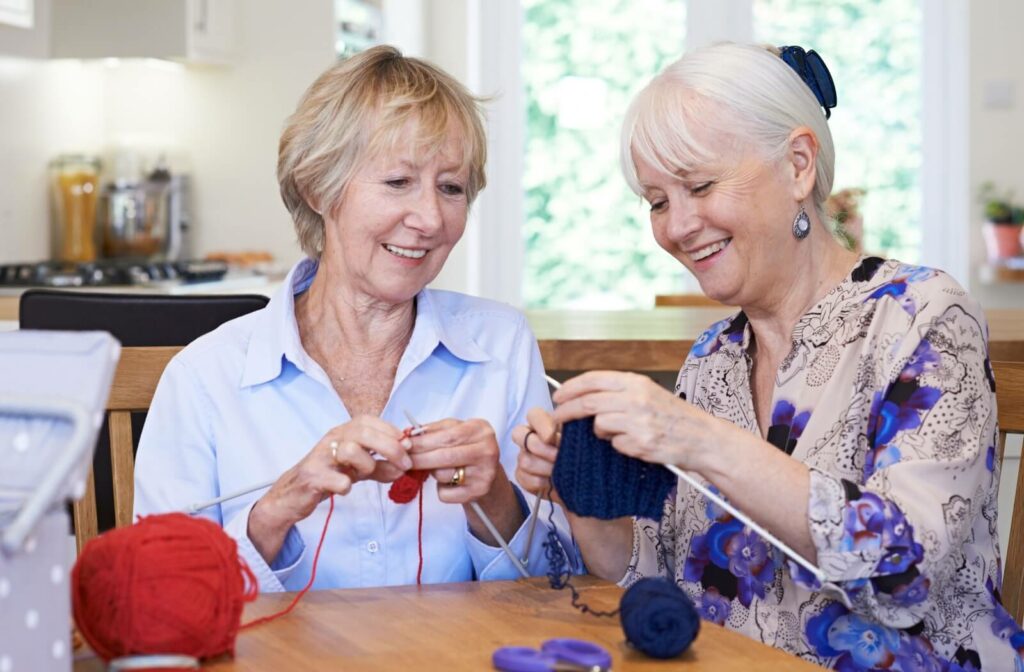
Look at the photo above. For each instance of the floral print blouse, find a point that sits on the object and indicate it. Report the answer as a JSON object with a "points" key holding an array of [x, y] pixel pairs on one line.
{"points": [[888, 397]]}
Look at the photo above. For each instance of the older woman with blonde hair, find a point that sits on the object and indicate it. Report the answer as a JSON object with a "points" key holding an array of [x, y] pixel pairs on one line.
{"points": [[848, 407], [378, 167]]}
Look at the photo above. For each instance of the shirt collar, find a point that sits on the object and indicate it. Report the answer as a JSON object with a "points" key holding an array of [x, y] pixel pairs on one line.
{"points": [[439, 326], [275, 337], [276, 334]]}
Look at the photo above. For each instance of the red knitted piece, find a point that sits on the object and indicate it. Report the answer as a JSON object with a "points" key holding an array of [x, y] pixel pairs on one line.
{"points": [[405, 489], [168, 584]]}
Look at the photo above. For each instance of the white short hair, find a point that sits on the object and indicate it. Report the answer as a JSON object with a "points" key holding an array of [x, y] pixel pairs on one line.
{"points": [[744, 91]]}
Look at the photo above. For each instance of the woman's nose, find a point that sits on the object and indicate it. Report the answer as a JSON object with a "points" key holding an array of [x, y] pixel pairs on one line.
{"points": [[425, 215], [684, 222]]}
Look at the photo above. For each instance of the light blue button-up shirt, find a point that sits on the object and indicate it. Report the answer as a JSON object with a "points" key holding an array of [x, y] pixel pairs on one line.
{"points": [[245, 403]]}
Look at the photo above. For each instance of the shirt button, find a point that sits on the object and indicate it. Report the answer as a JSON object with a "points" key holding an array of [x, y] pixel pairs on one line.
{"points": [[895, 558], [372, 547]]}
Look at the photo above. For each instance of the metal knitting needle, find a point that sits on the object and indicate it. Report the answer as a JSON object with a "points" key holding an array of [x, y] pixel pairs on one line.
{"points": [[193, 509], [768, 536], [419, 429], [765, 534], [536, 503]]}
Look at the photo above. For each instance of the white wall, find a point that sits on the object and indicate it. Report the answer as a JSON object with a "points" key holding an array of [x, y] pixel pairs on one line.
{"points": [[234, 119], [997, 133], [45, 109], [221, 124]]}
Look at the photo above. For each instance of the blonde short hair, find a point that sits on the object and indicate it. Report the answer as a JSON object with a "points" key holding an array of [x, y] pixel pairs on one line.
{"points": [[745, 91], [358, 108]]}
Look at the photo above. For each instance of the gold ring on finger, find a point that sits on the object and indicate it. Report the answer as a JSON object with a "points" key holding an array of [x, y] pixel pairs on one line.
{"points": [[458, 477]]}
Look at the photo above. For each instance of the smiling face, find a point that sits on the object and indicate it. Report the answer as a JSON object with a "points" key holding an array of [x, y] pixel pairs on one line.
{"points": [[725, 220], [398, 219]]}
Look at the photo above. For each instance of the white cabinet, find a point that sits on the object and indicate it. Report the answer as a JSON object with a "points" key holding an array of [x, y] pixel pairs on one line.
{"points": [[200, 31]]}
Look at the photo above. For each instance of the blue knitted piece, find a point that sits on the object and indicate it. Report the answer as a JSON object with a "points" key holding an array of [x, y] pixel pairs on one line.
{"points": [[595, 480]]}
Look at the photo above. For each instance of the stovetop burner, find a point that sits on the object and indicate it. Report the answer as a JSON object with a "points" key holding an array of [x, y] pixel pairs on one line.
{"points": [[109, 273]]}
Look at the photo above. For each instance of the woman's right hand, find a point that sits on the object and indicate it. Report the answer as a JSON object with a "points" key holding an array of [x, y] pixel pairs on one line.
{"points": [[538, 442], [342, 457]]}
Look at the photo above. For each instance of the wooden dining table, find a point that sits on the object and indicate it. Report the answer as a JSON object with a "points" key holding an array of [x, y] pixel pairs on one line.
{"points": [[659, 339], [457, 626]]}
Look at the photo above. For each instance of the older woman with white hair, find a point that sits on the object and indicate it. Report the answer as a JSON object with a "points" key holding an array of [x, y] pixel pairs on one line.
{"points": [[848, 407], [318, 392]]}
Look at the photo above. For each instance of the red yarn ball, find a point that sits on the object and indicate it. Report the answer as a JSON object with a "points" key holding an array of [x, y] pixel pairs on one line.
{"points": [[168, 584]]}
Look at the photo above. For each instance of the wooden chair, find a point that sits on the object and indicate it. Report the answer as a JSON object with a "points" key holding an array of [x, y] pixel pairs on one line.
{"points": [[684, 301], [1010, 399], [134, 384], [140, 322]]}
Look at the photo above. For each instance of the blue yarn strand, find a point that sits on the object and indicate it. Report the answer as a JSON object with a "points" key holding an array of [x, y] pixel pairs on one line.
{"points": [[657, 617], [559, 575]]}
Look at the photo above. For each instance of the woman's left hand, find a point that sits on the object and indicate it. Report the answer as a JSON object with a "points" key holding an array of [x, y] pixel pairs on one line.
{"points": [[464, 458], [639, 417], [461, 455]]}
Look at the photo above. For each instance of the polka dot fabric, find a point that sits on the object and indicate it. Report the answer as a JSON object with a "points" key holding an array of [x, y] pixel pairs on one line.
{"points": [[35, 603]]}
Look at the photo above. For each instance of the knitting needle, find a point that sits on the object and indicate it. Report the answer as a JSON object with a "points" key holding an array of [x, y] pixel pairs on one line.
{"points": [[419, 429], [199, 506], [536, 503], [765, 534]]}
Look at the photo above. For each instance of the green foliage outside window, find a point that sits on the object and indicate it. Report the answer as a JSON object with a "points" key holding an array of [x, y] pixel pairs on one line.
{"points": [[588, 239], [873, 48]]}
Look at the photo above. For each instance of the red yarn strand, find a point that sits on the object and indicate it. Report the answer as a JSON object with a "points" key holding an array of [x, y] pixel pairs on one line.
{"points": [[312, 577], [419, 541]]}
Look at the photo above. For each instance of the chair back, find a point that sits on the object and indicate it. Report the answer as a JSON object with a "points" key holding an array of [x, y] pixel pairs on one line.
{"points": [[684, 301], [151, 329], [1010, 400]]}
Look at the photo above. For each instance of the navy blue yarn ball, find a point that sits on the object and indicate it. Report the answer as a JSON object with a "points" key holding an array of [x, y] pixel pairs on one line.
{"points": [[658, 618], [596, 480]]}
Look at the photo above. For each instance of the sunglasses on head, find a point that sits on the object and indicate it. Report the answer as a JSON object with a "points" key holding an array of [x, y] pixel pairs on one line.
{"points": [[814, 72]]}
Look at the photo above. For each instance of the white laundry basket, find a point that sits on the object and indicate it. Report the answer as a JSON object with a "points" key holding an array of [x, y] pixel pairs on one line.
{"points": [[53, 389]]}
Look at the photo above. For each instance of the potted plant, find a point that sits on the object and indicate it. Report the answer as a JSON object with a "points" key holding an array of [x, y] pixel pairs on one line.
{"points": [[843, 207], [1003, 222]]}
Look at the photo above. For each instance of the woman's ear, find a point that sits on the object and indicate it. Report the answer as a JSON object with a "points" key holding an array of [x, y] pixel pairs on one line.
{"points": [[803, 158]]}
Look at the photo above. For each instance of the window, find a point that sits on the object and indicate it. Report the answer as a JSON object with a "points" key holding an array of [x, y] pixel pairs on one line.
{"points": [[873, 48], [587, 236]]}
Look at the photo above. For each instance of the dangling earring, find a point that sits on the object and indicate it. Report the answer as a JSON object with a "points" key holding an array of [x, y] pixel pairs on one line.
{"points": [[801, 224]]}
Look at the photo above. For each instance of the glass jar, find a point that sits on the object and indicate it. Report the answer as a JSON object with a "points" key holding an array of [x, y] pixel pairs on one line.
{"points": [[74, 187]]}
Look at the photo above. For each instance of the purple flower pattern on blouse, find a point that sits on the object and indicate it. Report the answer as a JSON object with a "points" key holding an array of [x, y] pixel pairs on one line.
{"points": [[708, 341], [868, 644], [893, 389], [714, 607], [915, 592], [748, 562], [898, 411], [873, 524], [916, 653]]}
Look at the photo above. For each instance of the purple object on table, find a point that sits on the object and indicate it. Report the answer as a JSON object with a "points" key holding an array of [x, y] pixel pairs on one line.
{"points": [[554, 654]]}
